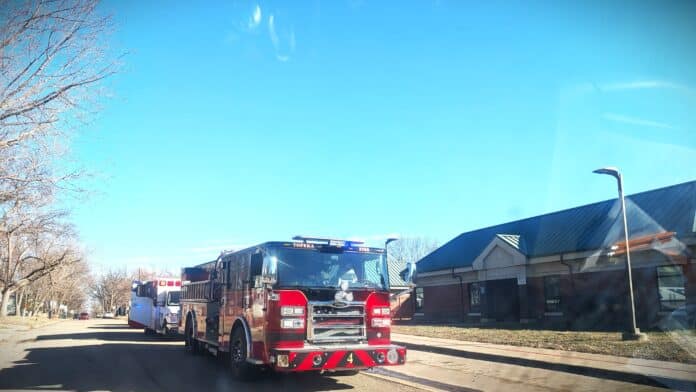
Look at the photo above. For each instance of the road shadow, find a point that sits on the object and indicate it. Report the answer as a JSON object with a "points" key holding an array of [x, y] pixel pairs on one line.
{"points": [[114, 326], [141, 367], [616, 375]]}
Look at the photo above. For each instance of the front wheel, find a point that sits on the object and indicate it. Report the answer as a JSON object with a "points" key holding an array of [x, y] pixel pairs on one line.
{"points": [[241, 369]]}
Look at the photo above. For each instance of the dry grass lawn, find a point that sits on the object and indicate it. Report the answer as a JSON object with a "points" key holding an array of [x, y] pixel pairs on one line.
{"points": [[677, 346], [24, 323]]}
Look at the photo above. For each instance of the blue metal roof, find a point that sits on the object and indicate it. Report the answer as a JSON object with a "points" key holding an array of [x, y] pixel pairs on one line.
{"points": [[589, 227], [395, 268]]}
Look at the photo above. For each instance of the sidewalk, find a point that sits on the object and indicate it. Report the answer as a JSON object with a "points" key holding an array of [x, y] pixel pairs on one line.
{"points": [[621, 369]]}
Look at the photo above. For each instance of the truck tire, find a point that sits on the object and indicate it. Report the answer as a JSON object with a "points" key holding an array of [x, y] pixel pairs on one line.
{"points": [[241, 369]]}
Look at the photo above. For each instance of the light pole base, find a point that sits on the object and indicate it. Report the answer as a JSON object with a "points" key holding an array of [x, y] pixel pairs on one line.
{"points": [[637, 336]]}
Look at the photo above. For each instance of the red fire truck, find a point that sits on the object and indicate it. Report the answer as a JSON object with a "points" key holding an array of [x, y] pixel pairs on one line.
{"points": [[311, 304]]}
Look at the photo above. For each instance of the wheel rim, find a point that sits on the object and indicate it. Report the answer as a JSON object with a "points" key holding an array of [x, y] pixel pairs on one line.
{"points": [[236, 351]]}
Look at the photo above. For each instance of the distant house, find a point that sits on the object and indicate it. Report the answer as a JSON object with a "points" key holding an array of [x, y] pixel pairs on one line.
{"points": [[567, 268]]}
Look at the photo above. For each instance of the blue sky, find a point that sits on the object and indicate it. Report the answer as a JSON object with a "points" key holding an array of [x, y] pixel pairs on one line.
{"points": [[250, 121]]}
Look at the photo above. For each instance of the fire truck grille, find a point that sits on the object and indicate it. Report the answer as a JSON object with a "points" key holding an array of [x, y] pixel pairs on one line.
{"points": [[336, 322]]}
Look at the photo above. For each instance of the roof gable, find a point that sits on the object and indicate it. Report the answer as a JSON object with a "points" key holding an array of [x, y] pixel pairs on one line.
{"points": [[514, 240], [499, 254]]}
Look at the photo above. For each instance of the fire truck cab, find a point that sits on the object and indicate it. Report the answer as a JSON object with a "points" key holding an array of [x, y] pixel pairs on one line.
{"points": [[306, 305]]}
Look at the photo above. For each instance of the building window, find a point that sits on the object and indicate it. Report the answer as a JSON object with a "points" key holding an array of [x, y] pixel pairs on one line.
{"points": [[552, 294], [670, 286], [474, 297], [419, 299]]}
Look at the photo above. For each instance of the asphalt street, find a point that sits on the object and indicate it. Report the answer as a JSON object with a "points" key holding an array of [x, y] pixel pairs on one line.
{"points": [[108, 355]]}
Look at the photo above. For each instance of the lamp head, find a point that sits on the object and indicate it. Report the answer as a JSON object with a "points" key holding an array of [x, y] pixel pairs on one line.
{"points": [[612, 171]]}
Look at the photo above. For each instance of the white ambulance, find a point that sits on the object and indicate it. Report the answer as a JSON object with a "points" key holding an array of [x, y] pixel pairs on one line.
{"points": [[154, 305]]}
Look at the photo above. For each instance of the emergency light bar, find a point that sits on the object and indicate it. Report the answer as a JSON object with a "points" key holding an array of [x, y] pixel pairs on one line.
{"points": [[326, 241], [167, 282]]}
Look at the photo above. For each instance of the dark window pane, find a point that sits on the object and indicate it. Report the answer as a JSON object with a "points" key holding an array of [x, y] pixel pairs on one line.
{"points": [[671, 291], [474, 297], [419, 299], [552, 294]]}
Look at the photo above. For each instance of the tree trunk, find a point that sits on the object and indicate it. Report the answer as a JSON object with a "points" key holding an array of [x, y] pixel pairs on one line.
{"points": [[37, 305], [19, 302], [5, 301], [8, 279]]}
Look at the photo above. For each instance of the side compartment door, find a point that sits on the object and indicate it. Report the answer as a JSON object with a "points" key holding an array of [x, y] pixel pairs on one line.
{"points": [[224, 323], [212, 318], [257, 300]]}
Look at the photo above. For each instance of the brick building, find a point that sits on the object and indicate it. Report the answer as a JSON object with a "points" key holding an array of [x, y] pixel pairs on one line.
{"points": [[567, 269]]}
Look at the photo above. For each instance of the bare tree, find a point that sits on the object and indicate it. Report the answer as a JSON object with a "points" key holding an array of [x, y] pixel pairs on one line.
{"points": [[52, 58], [73, 285], [411, 249], [33, 244], [112, 289], [67, 285], [144, 274]]}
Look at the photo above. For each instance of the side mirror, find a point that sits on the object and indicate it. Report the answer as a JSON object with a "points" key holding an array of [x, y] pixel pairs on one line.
{"points": [[264, 281], [263, 270], [256, 264], [270, 269], [272, 265]]}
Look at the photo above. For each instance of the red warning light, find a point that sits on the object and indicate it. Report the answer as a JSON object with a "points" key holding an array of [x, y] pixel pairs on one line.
{"points": [[178, 283], [162, 283], [170, 283]]}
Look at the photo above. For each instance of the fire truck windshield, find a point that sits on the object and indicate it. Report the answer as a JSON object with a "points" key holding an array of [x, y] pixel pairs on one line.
{"points": [[315, 269]]}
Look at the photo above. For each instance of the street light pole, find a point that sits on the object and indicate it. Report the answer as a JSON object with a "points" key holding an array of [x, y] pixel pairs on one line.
{"points": [[386, 251], [634, 333], [386, 244]]}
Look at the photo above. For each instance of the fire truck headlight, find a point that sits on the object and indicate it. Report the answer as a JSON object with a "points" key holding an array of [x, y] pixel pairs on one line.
{"points": [[380, 311], [283, 360], [381, 322], [392, 356], [292, 310], [291, 323]]}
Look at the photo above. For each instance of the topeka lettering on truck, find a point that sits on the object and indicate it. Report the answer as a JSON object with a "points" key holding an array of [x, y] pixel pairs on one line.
{"points": [[308, 305]]}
